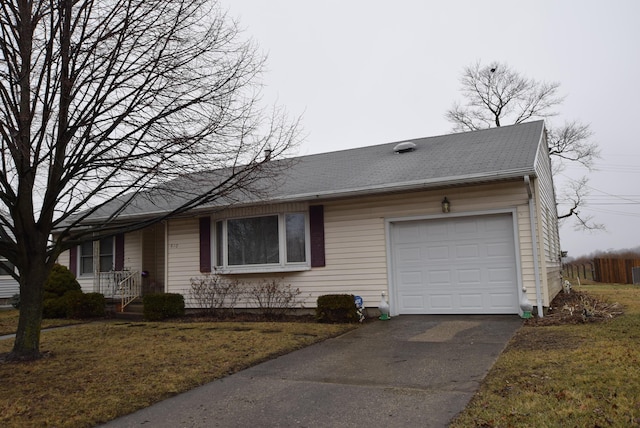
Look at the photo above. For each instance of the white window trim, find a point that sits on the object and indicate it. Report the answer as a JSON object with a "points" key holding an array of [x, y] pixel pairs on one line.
{"points": [[283, 266], [95, 259]]}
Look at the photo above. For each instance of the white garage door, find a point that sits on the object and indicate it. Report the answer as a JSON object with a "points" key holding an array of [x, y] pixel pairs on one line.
{"points": [[462, 265]]}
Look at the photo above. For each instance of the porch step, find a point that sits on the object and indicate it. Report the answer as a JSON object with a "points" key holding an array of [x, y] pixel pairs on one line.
{"points": [[133, 310], [132, 316]]}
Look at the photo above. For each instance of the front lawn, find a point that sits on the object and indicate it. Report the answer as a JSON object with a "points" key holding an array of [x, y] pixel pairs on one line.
{"points": [[9, 321], [569, 375], [95, 372]]}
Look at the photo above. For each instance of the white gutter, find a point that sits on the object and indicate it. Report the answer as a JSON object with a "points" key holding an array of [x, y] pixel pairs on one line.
{"points": [[428, 184], [534, 243]]}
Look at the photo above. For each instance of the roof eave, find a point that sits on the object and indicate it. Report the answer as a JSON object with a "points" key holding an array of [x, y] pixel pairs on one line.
{"points": [[454, 181]]}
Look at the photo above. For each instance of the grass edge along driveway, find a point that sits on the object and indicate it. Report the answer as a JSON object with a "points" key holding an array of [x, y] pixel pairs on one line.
{"points": [[584, 375], [95, 372]]}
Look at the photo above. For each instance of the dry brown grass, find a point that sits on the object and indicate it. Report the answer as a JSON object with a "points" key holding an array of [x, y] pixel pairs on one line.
{"points": [[9, 322], [574, 374], [95, 372]]}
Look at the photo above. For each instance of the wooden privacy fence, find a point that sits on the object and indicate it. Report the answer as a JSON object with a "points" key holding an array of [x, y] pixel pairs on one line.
{"points": [[580, 271], [614, 270]]}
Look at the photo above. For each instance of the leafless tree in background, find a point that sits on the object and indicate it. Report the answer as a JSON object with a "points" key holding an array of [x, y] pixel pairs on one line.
{"points": [[99, 100], [496, 95]]}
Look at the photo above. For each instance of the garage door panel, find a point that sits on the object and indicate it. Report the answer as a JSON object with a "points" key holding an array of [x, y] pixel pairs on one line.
{"points": [[408, 233], [409, 279], [471, 301], [434, 231], [469, 276], [439, 277], [413, 303], [494, 225], [500, 275], [460, 265], [465, 227], [441, 302], [468, 251], [502, 302], [408, 255], [440, 252], [499, 249]]}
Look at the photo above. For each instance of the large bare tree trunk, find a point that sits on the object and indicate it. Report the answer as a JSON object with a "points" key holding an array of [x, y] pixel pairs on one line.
{"points": [[27, 342], [36, 270]]}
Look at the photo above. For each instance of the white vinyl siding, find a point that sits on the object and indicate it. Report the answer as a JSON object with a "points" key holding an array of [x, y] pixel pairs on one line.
{"points": [[8, 287], [183, 262], [355, 239], [548, 233], [133, 251]]}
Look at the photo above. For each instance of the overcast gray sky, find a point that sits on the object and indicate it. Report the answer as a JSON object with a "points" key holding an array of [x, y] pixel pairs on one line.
{"points": [[371, 72]]}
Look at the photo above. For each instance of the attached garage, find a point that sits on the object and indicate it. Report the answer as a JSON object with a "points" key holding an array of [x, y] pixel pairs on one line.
{"points": [[454, 265]]}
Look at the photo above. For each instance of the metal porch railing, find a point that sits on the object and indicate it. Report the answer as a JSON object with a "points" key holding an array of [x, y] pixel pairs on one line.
{"points": [[123, 285]]}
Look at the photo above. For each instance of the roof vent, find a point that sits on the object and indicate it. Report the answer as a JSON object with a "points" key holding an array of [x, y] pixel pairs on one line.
{"points": [[404, 147]]}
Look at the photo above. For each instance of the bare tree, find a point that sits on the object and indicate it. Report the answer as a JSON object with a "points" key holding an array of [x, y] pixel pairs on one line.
{"points": [[570, 142], [496, 95], [99, 100], [574, 196]]}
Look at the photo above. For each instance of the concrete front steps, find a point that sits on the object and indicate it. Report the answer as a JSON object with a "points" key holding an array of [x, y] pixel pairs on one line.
{"points": [[133, 311]]}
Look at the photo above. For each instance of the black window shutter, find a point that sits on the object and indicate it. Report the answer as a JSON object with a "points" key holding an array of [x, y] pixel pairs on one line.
{"points": [[205, 244], [118, 263], [316, 224], [73, 260]]}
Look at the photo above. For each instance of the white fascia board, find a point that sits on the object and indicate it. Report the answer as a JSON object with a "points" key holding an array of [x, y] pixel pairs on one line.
{"points": [[359, 191], [407, 186]]}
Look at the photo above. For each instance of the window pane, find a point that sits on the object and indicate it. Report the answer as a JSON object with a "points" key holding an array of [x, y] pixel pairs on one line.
{"points": [[295, 238], [106, 263], [106, 254], [106, 246], [219, 245], [86, 249], [86, 258], [86, 265], [253, 241]]}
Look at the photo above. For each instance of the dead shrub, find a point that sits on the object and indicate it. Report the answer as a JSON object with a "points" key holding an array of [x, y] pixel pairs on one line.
{"points": [[215, 295], [272, 298]]}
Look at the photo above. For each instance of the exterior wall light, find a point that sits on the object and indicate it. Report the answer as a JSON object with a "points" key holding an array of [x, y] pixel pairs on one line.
{"points": [[446, 206]]}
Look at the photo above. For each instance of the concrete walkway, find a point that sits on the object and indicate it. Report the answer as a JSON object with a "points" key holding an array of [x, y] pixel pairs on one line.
{"points": [[411, 371]]}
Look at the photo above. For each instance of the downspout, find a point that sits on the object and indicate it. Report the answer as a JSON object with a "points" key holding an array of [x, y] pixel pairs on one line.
{"points": [[97, 287], [534, 243], [166, 256]]}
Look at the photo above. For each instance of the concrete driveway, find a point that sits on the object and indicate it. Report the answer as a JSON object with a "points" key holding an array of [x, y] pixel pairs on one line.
{"points": [[411, 371]]}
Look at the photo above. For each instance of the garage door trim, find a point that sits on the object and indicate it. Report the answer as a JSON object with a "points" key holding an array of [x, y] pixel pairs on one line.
{"points": [[389, 222]]}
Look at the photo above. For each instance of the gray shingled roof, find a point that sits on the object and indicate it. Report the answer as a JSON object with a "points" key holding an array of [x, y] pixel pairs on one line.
{"points": [[493, 154], [488, 154]]}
